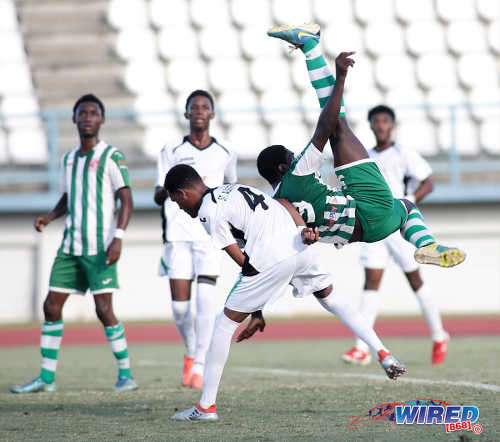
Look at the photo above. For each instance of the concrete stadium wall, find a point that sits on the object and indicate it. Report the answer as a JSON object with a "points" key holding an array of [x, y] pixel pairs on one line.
{"points": [[474, 287]]}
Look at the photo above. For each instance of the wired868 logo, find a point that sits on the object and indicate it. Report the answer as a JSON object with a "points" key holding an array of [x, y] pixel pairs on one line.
{"points": [[424, 411]]}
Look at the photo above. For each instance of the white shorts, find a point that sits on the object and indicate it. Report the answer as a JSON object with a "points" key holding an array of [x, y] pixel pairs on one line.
{"points": [[376, 255], [185, 259], [303, 271]]}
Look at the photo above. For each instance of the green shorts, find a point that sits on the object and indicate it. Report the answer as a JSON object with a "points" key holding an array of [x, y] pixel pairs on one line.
{"points": [[77, 274], [378, 212]]}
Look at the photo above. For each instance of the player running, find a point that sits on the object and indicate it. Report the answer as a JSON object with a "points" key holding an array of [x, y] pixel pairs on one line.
{"points": [[409, 176], [188, 251], [363, 209], [93, 175], [275, 256]]}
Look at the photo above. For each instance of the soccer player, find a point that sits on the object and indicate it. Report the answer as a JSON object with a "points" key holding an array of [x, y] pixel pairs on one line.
{"points": [[92, 176], [275, 256], [363, 209], [403, 169], [188, 252]]}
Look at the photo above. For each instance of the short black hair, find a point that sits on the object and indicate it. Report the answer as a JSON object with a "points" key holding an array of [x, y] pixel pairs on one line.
{"points": [[181, 177], [268, 161], [88, 98], [200, 93], [381, 108]]}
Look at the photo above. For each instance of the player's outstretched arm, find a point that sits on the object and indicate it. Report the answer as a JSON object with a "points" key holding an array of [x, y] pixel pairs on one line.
{"points": [[126, 206], [59, 210], [329, 116]]}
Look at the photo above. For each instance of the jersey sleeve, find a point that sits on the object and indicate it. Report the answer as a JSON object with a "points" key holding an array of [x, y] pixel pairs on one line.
{"points": [[163, 166], [118, 170], [230, 175], [417, 168], [309, 161]]}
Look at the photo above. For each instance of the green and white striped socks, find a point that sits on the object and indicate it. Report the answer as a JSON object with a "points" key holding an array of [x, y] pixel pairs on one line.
{"points": [[50, 343], [415, 231], [118, 344], [320, 74]]}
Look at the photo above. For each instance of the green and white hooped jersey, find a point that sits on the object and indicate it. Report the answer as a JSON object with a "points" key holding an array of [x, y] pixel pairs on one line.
{"points": [[319, 204], [91, 182]]}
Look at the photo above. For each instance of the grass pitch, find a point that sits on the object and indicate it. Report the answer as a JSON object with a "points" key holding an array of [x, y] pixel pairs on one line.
{"points": [[293, 390]]}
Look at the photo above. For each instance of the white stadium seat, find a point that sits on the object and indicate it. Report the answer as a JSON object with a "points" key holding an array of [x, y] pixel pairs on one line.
{"points": [[238, 106], [155, 109], [281, 106], [410, 11], [489, 136], [440, 98], [384, 38], [484, 102], [247, 139], [425, 37], [8, 16], [417, 134], [291, 11], [145, 77], [465, 135], [27, 146], [450, 10], [4, 151], [364, 134], [466, 36], [361, 76], [171, 13], [268, 73], [134, 44], [20, 111], [219, 42], [255, 43], [255, 13], [168, 42], [310, 106], [488, 10], [213, 13], [299, 73], [477, 69], [358, 100], [293, 136], [185, 74], [393, 71], [226, 74], [128, 13], [493, 39], [12, 47], [341, 37], [436, 70], [155, 137], [15, 79], [326, 11], [369, 11], [408, 103]]}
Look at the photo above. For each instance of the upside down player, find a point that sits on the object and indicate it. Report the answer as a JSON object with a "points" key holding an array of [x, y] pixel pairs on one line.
{"points": [[275, 256]]}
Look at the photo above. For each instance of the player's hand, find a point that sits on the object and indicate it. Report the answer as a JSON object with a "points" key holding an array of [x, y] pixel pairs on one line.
{"points": [[342, 63], [41, 222], [255, 323], [114, 251], [310, 235]]}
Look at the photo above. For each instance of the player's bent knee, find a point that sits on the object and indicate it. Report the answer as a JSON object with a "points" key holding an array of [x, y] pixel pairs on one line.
{"points": [[234, 315], [323, 293]]}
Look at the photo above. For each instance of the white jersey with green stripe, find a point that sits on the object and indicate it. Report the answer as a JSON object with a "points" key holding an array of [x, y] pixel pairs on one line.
{"points": [[91, 181], [319, 204]]}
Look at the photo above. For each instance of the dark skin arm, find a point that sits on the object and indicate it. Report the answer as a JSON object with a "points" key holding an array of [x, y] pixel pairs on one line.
{"points": [[160, 195], [309, 235], [256, 322], [329, 116], [425, 187], [59, 210], [115, 248]]}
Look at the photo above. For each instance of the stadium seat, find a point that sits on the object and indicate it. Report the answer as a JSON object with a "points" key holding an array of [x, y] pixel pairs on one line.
{"points": [[291, 11], [364, 134], [300, 78], [339, 37], [409, 12], [441, 98], [134, 44], [493, 33], [484, 102], [281, 106], [425, 37], [294, 137], [408, 103], [383, 38], [214, 13], [489, 136], [127, 13], [219, 42], [144, 77], [268, 73], [255, 43], [8, 16], [324, 11], [226, 74], [477, 69], [155, 137], [173, 13], [465, 135], [368, 11], [4, 151], [20, 111], [237, 107], [27, 146], [15, 79], [310, 107], [466, 36], [450, 10], [436, 70], [361, 76], [359, 100], [12, 47], [255, 13], [417, 134], [168, 42], [247, 139], [185, 74], [488, 10], [155, 109], [393, 71]]}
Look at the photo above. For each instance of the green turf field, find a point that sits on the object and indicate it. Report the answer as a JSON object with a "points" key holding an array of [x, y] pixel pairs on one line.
{"points": [[295, 390]]}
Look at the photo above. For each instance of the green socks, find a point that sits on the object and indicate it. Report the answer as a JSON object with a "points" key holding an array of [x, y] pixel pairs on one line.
{"points": [[415, 231], [49, 347], [118, 344]]}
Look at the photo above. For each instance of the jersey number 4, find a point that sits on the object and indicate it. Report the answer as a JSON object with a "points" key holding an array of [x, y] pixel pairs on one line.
{"points": [[253, 199]]}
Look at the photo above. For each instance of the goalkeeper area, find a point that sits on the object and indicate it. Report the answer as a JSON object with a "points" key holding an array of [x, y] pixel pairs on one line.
{"points": [[270, 390]]}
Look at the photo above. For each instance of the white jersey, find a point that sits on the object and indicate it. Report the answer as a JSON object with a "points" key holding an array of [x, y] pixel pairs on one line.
{"points": [[91, 182], [215, 164], [398, 163], [237, 211]]}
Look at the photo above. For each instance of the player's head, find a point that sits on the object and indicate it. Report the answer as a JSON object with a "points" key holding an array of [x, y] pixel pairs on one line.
{"points": [[382, 119], [273, 162], [186, 188], [88, 115], [199, 110]]}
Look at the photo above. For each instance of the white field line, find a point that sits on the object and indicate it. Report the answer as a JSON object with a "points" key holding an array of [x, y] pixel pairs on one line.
{"points": [[311, 374]]}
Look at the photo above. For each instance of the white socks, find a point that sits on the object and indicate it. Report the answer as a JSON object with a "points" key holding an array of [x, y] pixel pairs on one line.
{"points": [[368, 307], [352, 319], [205, 318], [184, 321], [431, 313], [216, 358]]}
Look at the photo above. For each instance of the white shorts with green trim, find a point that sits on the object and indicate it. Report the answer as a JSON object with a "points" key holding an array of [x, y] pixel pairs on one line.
{"points": [[303, 272], [186, 259]]}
